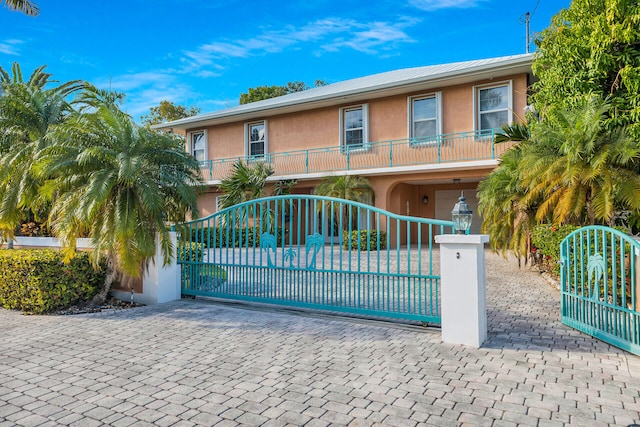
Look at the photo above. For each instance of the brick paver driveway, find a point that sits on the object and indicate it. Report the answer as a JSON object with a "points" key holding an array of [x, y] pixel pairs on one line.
{"points": [[204, 363]]}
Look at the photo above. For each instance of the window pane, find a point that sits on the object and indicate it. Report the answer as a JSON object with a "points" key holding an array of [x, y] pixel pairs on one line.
{"points": [[197, 141], [353, 119], [353, 137], [424, 128], [199, 155], [256, 148], [256, 132], [493, 120], [424, 109], [494, 98], [197, 145]]}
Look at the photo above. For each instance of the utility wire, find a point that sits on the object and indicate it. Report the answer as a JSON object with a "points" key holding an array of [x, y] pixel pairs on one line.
{"points": [[535, 8]]}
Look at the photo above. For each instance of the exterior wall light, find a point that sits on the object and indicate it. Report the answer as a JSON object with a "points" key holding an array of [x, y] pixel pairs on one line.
{"points": [[425, 200], [462, 215]]}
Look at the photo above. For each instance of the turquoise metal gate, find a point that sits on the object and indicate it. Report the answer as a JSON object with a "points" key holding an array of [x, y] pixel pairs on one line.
{"points": [[601, 284], [315, 252]]}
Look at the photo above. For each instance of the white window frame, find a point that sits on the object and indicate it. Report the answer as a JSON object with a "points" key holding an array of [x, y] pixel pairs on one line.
{"points": [[476, 102], [206, 143], [218, 200], [247, 142], [365, 128], [410, 121]]}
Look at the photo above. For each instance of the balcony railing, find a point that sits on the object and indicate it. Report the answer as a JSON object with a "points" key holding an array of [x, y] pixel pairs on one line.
{"points": [[445, 148]]}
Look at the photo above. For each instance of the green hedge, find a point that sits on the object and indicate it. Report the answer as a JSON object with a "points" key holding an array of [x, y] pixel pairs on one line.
{"points": [[37, 281], [231, 237], [365, 240], [546, 239], [191, 251]]}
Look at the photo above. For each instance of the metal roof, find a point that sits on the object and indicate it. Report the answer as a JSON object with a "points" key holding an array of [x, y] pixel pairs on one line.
{"points": [[363, 85]]}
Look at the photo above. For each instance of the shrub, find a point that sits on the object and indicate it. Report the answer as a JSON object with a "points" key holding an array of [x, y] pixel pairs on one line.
{"points": [[229, 237], [37, 281], [191, 251], [365, 240], [546, 240]]}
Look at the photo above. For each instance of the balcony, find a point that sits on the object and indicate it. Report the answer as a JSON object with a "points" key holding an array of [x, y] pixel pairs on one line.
{"points": [[439, 149]]}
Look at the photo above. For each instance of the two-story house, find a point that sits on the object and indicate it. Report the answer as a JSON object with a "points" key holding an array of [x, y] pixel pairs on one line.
{"points": [[420, 135]]}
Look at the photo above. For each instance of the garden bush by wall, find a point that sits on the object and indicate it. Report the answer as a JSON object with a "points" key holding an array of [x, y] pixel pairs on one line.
{"points": [[365, 240], [37, 281]]}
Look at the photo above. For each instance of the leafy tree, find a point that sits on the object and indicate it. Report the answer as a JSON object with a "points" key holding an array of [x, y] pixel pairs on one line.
{"points": [[28, 112], [244, 183], [567, 169], [119, 183], [507, 219], [167, 111], [25, 6], [265, 92], [348, 187], [262, 92], [582, 171], [592, 47]]}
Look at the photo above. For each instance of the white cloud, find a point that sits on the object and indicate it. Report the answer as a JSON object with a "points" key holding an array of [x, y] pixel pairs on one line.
{"points": [[332, 34], [10, 47], [430, 5], [371, 38]]}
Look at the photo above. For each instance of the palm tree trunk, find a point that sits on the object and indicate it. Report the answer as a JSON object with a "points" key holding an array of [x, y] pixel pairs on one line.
{"points": [[112, 273]]}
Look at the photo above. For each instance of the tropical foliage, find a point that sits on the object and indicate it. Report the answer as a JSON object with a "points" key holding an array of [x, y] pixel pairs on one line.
{"points": [[118, 183], [244, 183], [249, 182], [348, 187], [260, 93], [592, 47], [167, 111], [29, 110], [569, 169], [25, 6], [577, 161], [87, 168]]}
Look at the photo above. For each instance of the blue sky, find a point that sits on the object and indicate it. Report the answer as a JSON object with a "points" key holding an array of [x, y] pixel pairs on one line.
{"points": [[206, 53]]}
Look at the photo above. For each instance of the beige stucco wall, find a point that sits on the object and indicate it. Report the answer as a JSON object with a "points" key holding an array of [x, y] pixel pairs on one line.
{"points": [[388, 120]]}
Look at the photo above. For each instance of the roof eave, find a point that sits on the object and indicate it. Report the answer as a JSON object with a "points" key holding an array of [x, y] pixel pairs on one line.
{"points": [[501, 69]]}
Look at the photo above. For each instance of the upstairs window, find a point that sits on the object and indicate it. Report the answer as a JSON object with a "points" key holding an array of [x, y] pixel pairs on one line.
{"points": [[256, 139], [424, 118], [353, 127], [493, 106], [198, 145]]}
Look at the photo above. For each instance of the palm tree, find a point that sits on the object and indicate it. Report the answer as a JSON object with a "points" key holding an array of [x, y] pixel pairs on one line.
{"points": [[25, 6], [506, 218], [583, 172], [244, 183], [28, 112], [568, 168], [347, 187], [120, 183]]}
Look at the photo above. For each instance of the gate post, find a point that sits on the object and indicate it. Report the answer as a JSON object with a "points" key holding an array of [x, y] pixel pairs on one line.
{"points": [[161, 283], [463, 288]]}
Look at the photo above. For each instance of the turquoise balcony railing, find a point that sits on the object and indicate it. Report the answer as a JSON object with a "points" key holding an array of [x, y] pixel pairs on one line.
{"points": [[445, 148]]}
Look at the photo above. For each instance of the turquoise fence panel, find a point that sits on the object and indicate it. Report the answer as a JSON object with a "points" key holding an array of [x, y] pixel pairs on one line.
{"points": [[600, 282], [315, 252]]}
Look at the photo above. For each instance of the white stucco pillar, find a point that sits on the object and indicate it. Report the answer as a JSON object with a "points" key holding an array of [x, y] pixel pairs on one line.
{"points": [[162, 282], [463, 289]]}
